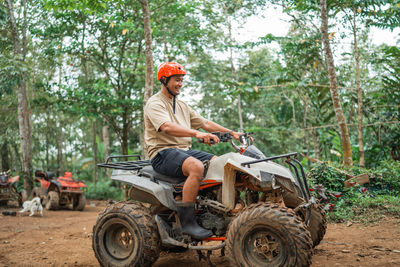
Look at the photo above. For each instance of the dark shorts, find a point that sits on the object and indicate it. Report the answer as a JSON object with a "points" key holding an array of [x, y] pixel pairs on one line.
{"points": [[169, 161]]}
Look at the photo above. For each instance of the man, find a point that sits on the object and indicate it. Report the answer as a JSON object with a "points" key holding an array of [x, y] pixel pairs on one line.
{"points": [[169, 126]]}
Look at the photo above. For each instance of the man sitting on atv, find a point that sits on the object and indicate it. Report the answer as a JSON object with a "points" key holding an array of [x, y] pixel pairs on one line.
{"points": [[169, 125]]}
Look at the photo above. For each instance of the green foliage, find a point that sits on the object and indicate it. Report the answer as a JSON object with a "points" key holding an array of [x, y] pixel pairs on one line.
{"points": [[386, 177], [381, 196], [103, 190], [365, 208], [326, 175]]}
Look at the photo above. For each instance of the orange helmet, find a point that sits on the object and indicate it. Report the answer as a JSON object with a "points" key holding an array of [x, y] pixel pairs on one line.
{"points": [[167, 69]]}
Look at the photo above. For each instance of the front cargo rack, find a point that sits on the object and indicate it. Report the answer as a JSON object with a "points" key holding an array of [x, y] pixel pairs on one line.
{"points": [[125, 165]]}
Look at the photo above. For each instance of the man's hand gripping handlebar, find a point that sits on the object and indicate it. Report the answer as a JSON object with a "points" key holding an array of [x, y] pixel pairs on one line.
{"points": [[215, 138]]}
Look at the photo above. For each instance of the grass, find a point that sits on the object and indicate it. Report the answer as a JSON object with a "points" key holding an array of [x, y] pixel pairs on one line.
{"points": [[365, 209]]}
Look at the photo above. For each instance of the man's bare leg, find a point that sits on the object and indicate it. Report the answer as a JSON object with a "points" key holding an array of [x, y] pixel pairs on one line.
{"points": [[194, 170]]}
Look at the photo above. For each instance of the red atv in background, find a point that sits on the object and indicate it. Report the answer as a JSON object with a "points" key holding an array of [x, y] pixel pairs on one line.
{"points": [[59, 192], [8, 189]]}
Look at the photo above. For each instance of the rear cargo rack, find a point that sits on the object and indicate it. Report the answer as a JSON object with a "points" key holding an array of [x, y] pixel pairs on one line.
{"points": [[125, 165]]}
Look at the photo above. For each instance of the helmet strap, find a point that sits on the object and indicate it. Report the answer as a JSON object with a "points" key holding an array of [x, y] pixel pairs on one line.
{"points": [[165, 83]]}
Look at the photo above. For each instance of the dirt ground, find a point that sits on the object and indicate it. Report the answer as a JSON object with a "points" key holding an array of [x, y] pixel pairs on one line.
{"points": [[63, 238]]}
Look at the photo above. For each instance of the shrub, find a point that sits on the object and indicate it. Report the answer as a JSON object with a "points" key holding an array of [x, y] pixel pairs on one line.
{"points": [[326, 175], [379, 197], [103, 190], [386, 177]]}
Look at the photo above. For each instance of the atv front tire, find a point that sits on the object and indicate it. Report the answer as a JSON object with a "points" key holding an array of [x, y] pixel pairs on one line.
{"points": [[79, 202], [264, 234], [125, 234], [52, 200]]}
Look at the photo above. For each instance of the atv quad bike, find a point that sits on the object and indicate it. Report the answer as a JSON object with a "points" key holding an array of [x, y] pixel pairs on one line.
{"points": [[59, 192], [261, 213], [8, 189]]}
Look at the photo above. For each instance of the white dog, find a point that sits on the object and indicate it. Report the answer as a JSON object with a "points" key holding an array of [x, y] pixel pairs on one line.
{"points": [[32, 206]]}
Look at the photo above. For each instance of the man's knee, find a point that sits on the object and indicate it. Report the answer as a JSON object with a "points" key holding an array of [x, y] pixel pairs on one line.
{"points": [[192, 166]]}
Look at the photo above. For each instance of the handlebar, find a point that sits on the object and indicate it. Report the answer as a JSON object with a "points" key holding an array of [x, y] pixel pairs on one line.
{"points": [[223, 137], [245, 140]]}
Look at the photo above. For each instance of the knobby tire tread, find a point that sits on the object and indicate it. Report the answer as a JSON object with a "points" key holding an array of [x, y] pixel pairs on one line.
{"points": [[144, 219], [270, 212]]}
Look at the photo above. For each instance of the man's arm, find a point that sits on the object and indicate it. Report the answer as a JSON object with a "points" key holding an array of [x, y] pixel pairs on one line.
{"points": [[175, 129], [210, 126]]}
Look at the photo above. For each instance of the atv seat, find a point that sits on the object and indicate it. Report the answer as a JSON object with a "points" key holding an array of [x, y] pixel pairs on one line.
{"points": [[149, 172], [46, 175]]}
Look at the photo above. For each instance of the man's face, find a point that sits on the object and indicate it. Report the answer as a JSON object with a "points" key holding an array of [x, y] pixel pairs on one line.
{"points": [[175, 83]]}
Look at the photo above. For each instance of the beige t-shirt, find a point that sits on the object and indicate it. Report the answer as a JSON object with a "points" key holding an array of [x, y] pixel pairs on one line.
{"points": [[157, 111]]}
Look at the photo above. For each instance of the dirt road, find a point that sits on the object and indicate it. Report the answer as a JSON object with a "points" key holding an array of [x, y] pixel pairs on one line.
{"points": [[63, 238]]}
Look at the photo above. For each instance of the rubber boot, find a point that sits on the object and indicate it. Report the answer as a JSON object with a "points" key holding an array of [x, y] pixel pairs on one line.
{"points": [[10, 213], [188, 221]]}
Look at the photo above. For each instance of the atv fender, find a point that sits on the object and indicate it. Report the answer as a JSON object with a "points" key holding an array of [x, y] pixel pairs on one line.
{"points": [[53, 185], [267, 175], [216, 168], [144, 190]]}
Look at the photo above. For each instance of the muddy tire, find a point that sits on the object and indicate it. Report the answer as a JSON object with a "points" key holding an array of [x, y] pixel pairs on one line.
{"points": [[125, 234], [317, 225], [52, 200], [79, 202], [291, 199], [267, 235]]}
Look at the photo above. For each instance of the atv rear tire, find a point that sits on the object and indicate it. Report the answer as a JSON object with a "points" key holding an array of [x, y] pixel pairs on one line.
{"points": [[52, 200], [126, 234], [317, 225], [264, 234], [79, 202]]}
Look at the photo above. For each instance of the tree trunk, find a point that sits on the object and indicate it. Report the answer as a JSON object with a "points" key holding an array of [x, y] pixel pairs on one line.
{"points": [[106, 140], [148, 91], [239, 99], [5, 159], [1, 162], [23, 108], [344, 133], [124, 136], [306, 134], [317, 147], [94, 150], [359, 93], [47, 142], [149, 52], [60, 137], [16, 157]]}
